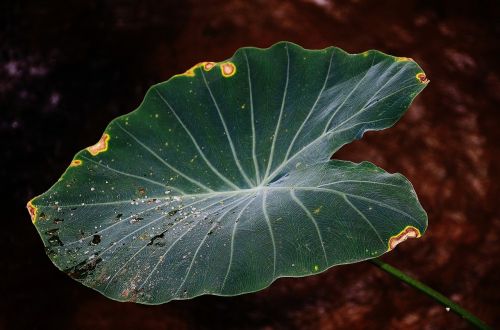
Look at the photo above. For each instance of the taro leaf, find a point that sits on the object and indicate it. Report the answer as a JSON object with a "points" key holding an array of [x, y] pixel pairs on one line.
{"points": [[221, 181]]}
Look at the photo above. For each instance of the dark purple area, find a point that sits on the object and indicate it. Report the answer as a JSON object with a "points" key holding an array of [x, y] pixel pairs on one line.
{"points": [[68, 67]]}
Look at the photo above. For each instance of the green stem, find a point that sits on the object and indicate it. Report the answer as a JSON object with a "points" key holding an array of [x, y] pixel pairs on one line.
{"points": [[450, 305]]}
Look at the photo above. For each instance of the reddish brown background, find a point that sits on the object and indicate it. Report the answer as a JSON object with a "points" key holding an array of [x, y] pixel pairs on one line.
{"points": [[68, 67]]}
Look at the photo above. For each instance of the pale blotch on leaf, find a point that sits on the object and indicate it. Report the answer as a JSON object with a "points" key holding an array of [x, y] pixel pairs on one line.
{"points": [[318, 209], [100, 146], [408, 232]]}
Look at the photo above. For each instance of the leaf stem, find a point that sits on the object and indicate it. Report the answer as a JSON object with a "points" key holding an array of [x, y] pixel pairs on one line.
{"points": [[438, 297]]}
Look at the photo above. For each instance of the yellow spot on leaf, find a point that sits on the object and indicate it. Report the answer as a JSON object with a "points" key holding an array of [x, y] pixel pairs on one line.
{"points": [[190, 72], [404, 59], [32, 209], [317, 210], [422, 78], [100, 146], [408, 232], [316, 268], [228, 69], [75, 163]]}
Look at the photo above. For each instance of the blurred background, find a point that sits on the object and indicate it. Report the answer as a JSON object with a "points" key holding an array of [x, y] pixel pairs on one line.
{"points": [[68, 67]]}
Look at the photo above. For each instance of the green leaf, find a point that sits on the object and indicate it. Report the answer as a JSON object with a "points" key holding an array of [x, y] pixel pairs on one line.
{"points": [[221, 181]]}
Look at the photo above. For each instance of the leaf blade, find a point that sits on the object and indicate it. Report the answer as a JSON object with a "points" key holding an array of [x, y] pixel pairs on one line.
{"points": [[220, 182]]}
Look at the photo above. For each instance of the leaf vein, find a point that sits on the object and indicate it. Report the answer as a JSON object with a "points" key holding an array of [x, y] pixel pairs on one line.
{"points": [[276, 131], [312, 108], [216, 222], [199, 184], [313, 220], [229, 139], [195, 143], [364, 218], [232, 244], [268, 221], [252, 119]]}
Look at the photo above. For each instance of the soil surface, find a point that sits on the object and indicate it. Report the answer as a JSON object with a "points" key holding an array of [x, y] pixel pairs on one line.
{"points": [[68, 67]]}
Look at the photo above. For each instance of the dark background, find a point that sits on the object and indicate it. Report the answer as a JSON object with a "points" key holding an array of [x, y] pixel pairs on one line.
{"points": [[68, 67]]}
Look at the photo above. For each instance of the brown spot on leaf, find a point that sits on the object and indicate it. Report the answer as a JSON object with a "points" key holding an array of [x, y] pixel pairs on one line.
{"points": [[32, 209], [125, 293], [408, 232], [75, 162], [131, 294], [208, 65], [228, 69], [422, 78], [100, 146]]}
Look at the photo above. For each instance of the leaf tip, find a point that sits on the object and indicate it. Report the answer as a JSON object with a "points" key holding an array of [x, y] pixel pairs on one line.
{"points": [[100, 146], [408, 232]]}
